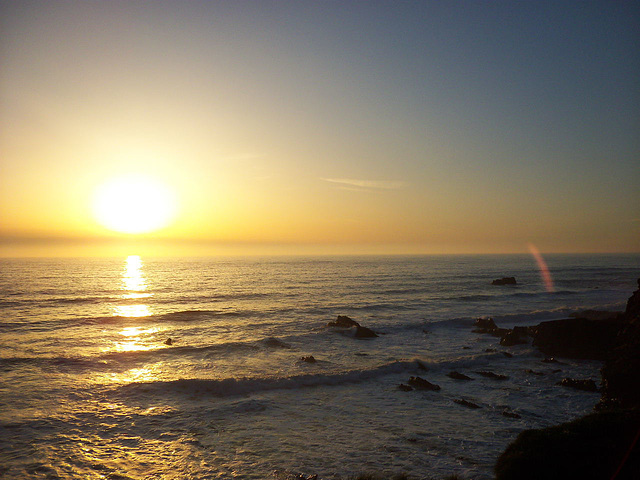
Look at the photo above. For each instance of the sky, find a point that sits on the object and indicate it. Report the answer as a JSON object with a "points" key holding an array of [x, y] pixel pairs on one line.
{"points": [[323, 127]]}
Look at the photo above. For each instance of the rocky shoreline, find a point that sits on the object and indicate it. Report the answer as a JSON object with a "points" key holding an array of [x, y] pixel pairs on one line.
{"points": [[604, 444]]}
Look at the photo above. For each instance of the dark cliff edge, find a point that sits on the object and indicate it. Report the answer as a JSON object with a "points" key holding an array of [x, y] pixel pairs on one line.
{"points": [[604, 445]]}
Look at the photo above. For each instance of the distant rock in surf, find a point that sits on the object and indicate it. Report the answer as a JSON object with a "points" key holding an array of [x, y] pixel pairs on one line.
{"points": [[484, 325], [343, 322], [509, 414], [492, 375], [420, 383], [487, 325], [505, 281], [308, 359], [404, 388], [273, 342], [465, 403], [168, 341], [458, 376]]}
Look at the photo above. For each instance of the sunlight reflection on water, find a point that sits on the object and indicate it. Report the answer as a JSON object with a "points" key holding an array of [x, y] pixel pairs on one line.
{"points": [[134, 285]]}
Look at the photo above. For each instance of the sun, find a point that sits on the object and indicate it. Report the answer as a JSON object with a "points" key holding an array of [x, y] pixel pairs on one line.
{"points": [[134, 204]]}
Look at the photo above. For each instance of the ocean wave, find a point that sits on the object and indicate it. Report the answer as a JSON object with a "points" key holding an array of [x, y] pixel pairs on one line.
{"points": [[242, 386]]}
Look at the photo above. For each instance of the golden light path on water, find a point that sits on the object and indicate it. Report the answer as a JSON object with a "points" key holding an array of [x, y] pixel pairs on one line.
{"points": [[544, 269], [134, 285]]}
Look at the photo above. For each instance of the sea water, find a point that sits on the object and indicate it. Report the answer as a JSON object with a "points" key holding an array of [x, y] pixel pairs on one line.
{"points": [[92, 388]]}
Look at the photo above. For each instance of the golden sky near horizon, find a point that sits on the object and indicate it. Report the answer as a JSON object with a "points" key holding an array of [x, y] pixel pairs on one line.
{"points": [[306, 127]]}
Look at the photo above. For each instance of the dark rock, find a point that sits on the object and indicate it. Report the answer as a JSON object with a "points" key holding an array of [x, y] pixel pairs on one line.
{"points": [[556, 370], [458, 376], [533, 372], [364, 332], [586, 385], [507, 354], [308, 359], [510, 414], [505, 281], [484, 325], [466, 403], [422, 384], [492, 375], [521, 331], [621, 371], [466, 347], [633, 305], [590, 448], [168, 341], [549, 360], [578, 338], [490, 350], [405, 388], [511, 338], [343, 322]]}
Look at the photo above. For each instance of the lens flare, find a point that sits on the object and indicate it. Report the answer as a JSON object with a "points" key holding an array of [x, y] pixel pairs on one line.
{"points": [[545, 274]]}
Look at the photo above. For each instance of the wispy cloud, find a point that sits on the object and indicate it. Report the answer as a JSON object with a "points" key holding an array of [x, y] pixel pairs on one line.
{"points": [[367, 184]]}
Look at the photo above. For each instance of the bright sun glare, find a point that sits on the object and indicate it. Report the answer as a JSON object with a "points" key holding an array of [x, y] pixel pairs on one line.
{"points": [[134, 204]]}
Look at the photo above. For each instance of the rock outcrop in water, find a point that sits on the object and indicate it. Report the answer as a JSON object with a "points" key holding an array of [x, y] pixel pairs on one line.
{"points": [[345, 322], [420, 383], [505, 281], [578, 338]]}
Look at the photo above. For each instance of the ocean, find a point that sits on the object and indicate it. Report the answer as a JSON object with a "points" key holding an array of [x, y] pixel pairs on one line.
{"points": [[92, 388]]}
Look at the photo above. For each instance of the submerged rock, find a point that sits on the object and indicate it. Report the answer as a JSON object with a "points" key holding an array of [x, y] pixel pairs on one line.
{"points": [[509, 414], [465, 403], [273, 342], [420, 383], [586, 385], [505, 281], [458, 376], [492, 375]]}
